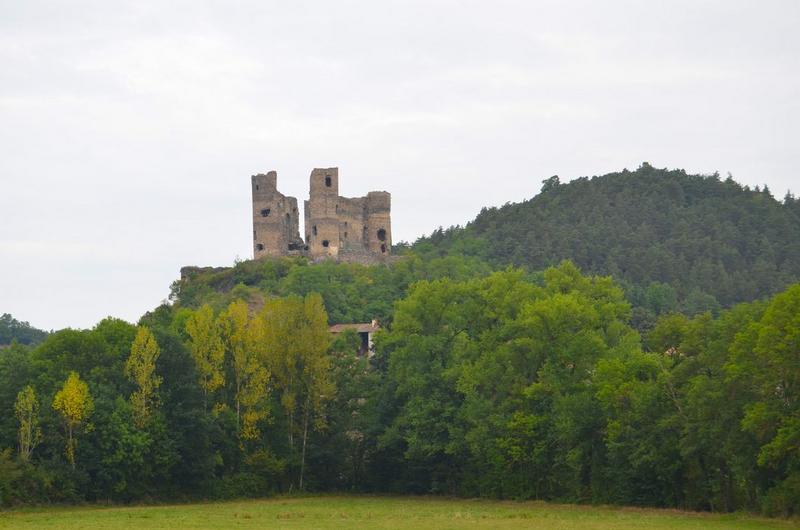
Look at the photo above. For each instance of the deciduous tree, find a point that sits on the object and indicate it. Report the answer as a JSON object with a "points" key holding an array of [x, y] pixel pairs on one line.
{"points": [[207, 349], [75, 404], [27, 410], [244, 337], [141, 369], [296, 340]]}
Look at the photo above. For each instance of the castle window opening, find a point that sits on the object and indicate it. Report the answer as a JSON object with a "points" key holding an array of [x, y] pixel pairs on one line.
{"points": [[327, 181], [345, 235], [254, 235], [325, 243], [259, 247], [314, 229], [383, 248], [256, 187], [381, 235], [265, 212]]}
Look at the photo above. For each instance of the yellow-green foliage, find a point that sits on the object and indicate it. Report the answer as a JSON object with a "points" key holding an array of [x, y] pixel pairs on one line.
{"points": [[27, 411], [295, 341], [141, 369], [207, 349], [243, 336], [75, 404]]}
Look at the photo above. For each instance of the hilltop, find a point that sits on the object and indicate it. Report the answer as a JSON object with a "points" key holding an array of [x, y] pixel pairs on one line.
{"points": [[675, 241], [518, 383], [12, 329]]}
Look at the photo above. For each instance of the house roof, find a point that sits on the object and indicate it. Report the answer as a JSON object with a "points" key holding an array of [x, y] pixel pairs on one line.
{"points": [[366, 327]]}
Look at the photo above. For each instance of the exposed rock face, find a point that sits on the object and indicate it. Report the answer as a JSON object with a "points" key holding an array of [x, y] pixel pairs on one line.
{"points": [[346, 229]]}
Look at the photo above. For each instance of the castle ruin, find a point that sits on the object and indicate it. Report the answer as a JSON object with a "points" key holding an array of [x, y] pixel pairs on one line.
{"points": [[341, 228]]}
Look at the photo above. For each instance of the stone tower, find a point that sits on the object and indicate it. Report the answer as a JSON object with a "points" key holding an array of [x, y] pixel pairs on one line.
{"points": [[276, 221], [346, 229], [322, 213]]}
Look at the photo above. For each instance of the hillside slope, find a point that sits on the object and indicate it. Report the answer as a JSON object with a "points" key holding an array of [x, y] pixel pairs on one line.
{"points": [[711, 241], [12, 329]]}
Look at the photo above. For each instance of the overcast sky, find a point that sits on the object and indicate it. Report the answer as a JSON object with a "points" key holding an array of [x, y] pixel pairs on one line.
{"points": [[128, 132]]}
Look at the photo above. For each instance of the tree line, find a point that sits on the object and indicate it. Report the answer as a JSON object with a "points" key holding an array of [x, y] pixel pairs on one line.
{"points": [[166, 408], [674, 241], [12, 330], [501, 384]]}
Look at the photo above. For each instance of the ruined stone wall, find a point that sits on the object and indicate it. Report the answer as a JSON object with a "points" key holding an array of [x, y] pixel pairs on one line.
{"points": [[347, 229], [322, 208], [379, 222], [351, 222], [276, 220]]}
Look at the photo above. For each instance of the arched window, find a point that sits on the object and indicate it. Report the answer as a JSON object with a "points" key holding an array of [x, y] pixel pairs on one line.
{"points": [[381, 235], [327, 181]]}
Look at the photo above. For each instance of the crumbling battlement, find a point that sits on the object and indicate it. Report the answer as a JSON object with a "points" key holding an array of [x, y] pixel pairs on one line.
{"points": [[347, 229]]}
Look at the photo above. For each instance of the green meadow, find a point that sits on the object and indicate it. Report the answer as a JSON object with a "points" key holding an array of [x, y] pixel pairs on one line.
{"points": [[379, 512]]}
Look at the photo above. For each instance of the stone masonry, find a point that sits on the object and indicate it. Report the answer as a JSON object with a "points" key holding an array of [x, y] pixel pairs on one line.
{"points": [[345, 229]]}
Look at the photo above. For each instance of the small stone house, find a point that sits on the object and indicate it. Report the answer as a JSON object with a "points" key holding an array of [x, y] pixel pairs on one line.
{"points": [[365, 332]]}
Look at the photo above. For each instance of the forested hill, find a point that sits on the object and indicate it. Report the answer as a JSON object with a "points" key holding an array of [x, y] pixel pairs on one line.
{"points": [[12, 329], [710, 240]]}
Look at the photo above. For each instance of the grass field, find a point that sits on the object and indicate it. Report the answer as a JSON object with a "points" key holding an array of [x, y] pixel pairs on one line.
{"points": [[377, 512]]}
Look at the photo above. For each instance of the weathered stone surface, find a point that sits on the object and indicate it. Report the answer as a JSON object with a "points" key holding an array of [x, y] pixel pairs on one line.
{"points": [[345, 229], [276, 221]]}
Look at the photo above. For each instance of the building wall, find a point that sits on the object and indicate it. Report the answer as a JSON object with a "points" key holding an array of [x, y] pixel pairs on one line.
{"points": [[353, 229], [323, 205], [379, 222], [276, 220], [351, 216]]}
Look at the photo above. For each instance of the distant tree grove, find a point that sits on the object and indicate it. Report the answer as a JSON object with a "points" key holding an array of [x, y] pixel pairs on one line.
{"points": [[501, 384]]}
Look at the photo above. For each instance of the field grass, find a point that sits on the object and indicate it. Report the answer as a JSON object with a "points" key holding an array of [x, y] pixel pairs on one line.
{"points": [[377, 512]]}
